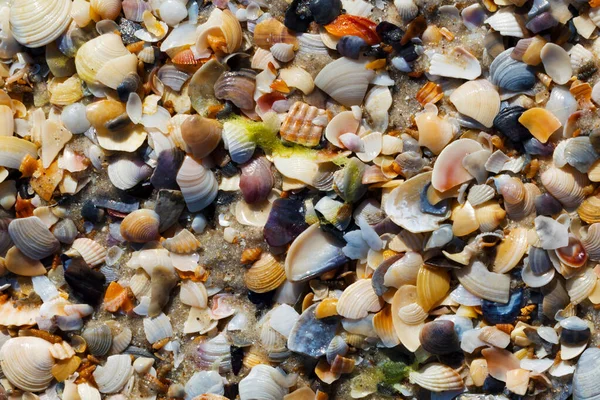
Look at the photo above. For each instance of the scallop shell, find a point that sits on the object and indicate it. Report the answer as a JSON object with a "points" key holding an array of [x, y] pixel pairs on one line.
{"points": [[32, 237], [266, 274], [100, 51], [345, 80], [459, 63], [26, 362], [479, 194], [580, 57], [589, 210], [478, 100], [507, 22], [510, 251], [198, 184], [141, 226], [477, 279], [13, 151], [98, 338], [200, 135], [437, 378], [299, 125], [183, 242], [114, 374], [358, 300], [510, 74], [35, 23], [566, 185], [92, 252], [157, 328], [556, 63]]}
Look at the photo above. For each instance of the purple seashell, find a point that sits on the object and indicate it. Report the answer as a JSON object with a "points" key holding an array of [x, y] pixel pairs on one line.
{"points": [[256, 181], [285, 222], [541, 22]]}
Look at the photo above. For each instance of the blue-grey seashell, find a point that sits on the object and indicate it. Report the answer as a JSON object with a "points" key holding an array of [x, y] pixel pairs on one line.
{"points": [[510, 74], [311, 336]]}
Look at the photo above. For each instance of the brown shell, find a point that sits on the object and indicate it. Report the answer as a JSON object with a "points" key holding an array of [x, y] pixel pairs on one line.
{"points": [[140, 226], [271, 31], [202, 135], [182, 243], [237, 87], [265, 275], [298, 126]]}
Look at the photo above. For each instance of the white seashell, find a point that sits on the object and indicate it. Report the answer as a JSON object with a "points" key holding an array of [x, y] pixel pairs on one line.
{"points": [[437, 378], [536, 281], [88, 392], [507, 22], [13, 150], [391, 145], [35, 23], [345, 80], [114, 374], [298, 78], [8, 194], [215, 353], [31, 236], [157, 328], [477, 279], [204, 382], [358, 300], [92, 252], [298, 168], [262, 58], [193, 294], [581, 286], [580, 56], [263, 382], [126, 172], [407, 9], [479, 194], [552, 234], [477, 99], [172, 12], [556, 63], [283, 52], [94, 54], [198, 184], [311, 43], [114, 71], [283, 318], [27, 363], [179, 37], [372, 147], [496, 161], [459, 63], [561, 103], [377, 103], [238, 141], [584, 25], [566, 184]]}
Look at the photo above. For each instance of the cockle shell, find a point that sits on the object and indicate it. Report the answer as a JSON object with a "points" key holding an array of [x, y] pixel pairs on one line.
{"points": [[35, 23], [477, 279], [459, 63], [183, 242], [435, 132], [591, 241], [566, 185], [478, 100], [193, 294], [13, 150], [358, 300], [198, 184], [26, 362], [437, 378], [345, 80], [100, 51], [384, 327], [507, 22], [92, 252], [263, 382], [299, 125], [32, 237], [266, 274], [114, 374], [140, 226], [201, 135]]}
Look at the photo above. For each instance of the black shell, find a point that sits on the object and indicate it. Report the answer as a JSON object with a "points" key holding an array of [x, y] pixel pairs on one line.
{"points": [[497, 313], [351, 46], [298, 16], [440, 208], [534, 147], [167, 166], [507, 122], [438, 337], [325, 11], [285, 222], [546, 204], [87, 283], [574, 337]]}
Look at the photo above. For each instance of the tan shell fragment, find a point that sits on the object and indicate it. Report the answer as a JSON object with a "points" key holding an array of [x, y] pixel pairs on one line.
{"points": [[384, 327], [92, 252], [358, 300], [183, 242], [407, 333], [437, 378], [26, 362], [477, 99], [510, 251], [265, 275], [432, 286], [299, 125], [19, 264], [566, 184]]}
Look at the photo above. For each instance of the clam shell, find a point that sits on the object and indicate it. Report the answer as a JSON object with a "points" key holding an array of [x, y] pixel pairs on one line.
{"points": [[478, 100], [448, 171], [566, 185], [215, 352], [577, 152], [19, 264], [237, 87], [299, 125], [432, 286], [437, 377], [311, 336], [102, 50], [510, 74], [591, 241], [238, 141], [434, 132], [270, 31], [266, 274], [263, 382], [311, 254], [585, 380], [589, 210], [439, 337], [114, 374], [121, 341], [26, 362], [13, 151], [32, 237], [561, 104], [408, 332], [197, 184], [358, 300], [183, 242], [38, 22], [92, 252], [459, 63], [262, 58], [115, 72], [345, 80], [283, 52], [141, 226], [384, 327], [126, 138], [507, 22], [477, 279], [556, 63], [343, 123], [256, 181], [298, 78], [157, 328], [126, 172], [581, 286], [510, 251], [107, 9], [98, 338], [193, 294], [200, 135]]}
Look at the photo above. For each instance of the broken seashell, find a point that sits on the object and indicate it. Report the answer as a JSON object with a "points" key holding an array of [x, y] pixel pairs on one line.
{"points": [[434, 132], [556, 63], [448, 171], [345, 80], [478, 100], [459, 63], [114, 374]]}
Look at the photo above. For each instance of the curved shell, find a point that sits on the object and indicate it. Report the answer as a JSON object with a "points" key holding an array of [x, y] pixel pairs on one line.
{"points": [[32, 237], [432, 286], [270, 32], [126, 172], [96, 53], [510, 251], [114, 374], [35, 23], [485, 284], [557, 63], [566, 185], [437, 378], [19, 264], [345, 80], [384, 327], [448, 171], [92, 252], [263, 382], [140, 226], [13, 151], [183, 242], [238, 141], [358, 300], [510, 74], [407, 333], [27, 363], [591, 241], [435, 132], [581, 286], [404, 208], [477, 99], [237, 87], [312, 336], [98, 338], [198, 184], [201, 135], [266, 274], [586, 385], [224, 26], [458, 64]]}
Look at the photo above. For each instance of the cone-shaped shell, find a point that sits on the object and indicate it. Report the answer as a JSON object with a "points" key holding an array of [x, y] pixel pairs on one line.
{"points": [[477, 99], [141, 226], [265, 275], [32, 237], [35, 23], [437, 378], [26, 362], [358, 300]]}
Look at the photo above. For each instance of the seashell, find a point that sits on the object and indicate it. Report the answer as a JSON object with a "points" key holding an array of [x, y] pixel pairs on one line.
{"points": [[126, 172], [432, 286], [580, 57], [262, 58], [114, 374], [140, 226], [299, 125], [347, 182], [98, 338], [479, 194], [134, 9], [256, 180], [157, 328], [351, 46], [573, 254], [448, 171], [311, 336], [409, 215], [237, 87], [172, 12], [65, 91], [107, 9], [343, 123], [285, 222], [496, 313], [193, 294], [32, 237], [169, 206], [238, 141], [510, 251], [172, 77], [384, 327], [105, 58], [65, 231], [201, 86], [485, 284], [588, 210], [377, 103], [581, 286], [84, 281], [547, 205], [574, 331], [26, 362], [345, 80], [556, 63], [122, 138], [539, 261], [201, 135], [437, 377], [334, 212], [566, 185], [197, 184], [585, 382], [227, 41], [74, 119], [407, 316], [14, 150], [372, 146], [510, 74], [499, 362], [283, 52], [263, 381], [551, 233], [37, 23], [459, 63], [92, 252], [507, 22], [270, 32], [577, 152], [434, 132], [407, 9], [183, 242], [19, 264], [536, 280], [439, 338], [299, 266], [358, 300], [266, 274], [528, 50], [590, 241], [215, 350], [121, 341], [561, 104]]}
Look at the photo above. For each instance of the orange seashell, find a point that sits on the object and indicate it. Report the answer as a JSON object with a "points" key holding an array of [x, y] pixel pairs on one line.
{"points": [[594, 3], [377, 64], [299, 125], [582, 91], [271, 31], [186, 57], [429, 93], [45, 181], [354, 25], [250, 255], [117, 297], [540, 122], [415, 29]]}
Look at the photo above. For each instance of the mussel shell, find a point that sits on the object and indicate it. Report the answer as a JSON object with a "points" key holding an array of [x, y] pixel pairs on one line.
{"points": [[441, 208], [324, 11], [237, 87], [311, 336], [84, 281], [168, 163], [497, 313], [98, 339], [351, 46], [285, 222], [439, 337], [510, 74], [535, 147], [507, 122], [574, 337]]}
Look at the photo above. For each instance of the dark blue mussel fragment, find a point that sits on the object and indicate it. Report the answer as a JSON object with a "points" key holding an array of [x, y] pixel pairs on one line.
{"points": [[498, 313], [351, 46], [325, 11], [534, 147], [440, 208], [285, 222], [507, 122], [546, 204]]}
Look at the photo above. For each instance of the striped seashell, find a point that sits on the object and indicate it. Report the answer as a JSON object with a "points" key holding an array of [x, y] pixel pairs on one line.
{"points": [[358, 300], [197, 184], [27, 363], [301, 125], [92, 252], [183, 242], [35, 23], [140, 226], [238, 141], [32, 237], [114, 374], [266, 274], [437, 378], [566, 185], [98, 338]]}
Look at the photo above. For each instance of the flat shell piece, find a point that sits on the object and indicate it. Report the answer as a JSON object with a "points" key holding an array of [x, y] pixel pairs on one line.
{"points": [[311, 336]]}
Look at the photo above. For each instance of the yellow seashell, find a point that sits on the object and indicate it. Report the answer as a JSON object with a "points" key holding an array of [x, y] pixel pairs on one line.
{"points": [[140, 226], [510, 251], [407, 333], [489, 215], [384, 327], [437, 377], [326, 308], [107, 9], [63, 369], [19, 264], [265, 275], [432, 286], [94, 54], [478, 371], [540, 122], [465, 219], [589, 210], [271, 31]]}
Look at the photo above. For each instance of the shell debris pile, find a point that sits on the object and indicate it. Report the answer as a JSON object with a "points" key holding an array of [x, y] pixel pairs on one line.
{"points": [[314, 199]]}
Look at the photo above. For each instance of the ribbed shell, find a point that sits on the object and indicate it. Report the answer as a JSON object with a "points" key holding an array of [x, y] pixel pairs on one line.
{"points": [[35, 23], [384, 327], [114, 374], [510, 74], [358, 300], [265, 275], [32, 237], [478, 100], [591, 242], [437, 378], [183, 242], [566, 185], [140, 226], [237, 87], [581, 286], [126, 172], [92, 252], [198, 184], [238, 141], [345, 80], [98, 339], [27, 363], [299, 125], [94, 54]]}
